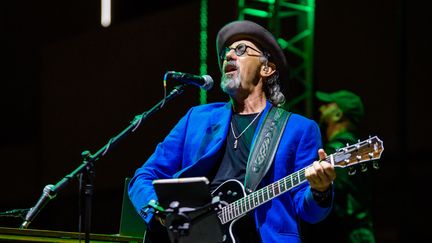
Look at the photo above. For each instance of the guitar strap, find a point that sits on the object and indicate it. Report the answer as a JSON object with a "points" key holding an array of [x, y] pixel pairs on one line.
{"points": [[265, 146]]}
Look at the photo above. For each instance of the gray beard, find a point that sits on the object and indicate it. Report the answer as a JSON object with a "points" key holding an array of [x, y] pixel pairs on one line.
{"points": [[229, 84]]}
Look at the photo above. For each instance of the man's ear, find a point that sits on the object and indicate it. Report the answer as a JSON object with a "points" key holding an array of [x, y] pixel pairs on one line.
{"points": [[267, 69]]}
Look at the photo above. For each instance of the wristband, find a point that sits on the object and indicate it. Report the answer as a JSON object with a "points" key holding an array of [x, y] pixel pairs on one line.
{"points": [[322, 198]]}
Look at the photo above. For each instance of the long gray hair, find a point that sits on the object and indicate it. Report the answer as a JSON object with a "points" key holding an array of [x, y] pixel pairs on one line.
{"points": [[272, 87]]}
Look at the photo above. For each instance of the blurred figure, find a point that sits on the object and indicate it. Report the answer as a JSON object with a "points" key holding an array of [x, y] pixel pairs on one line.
{"points": [[351, 217]]}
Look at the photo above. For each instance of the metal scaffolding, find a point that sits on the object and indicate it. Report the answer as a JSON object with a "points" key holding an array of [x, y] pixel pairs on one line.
{"points": [[292, 23], [203, 45]]}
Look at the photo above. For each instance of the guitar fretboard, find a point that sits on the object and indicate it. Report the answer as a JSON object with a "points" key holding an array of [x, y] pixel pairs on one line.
{"points": [[242, 206], [350, 155]]}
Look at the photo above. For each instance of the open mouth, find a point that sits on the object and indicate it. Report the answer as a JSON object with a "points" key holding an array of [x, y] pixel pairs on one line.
{"points": [[230, 67]]}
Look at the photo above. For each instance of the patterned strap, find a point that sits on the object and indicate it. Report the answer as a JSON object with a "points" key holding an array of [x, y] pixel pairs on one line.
{"points": [[265, 147]]}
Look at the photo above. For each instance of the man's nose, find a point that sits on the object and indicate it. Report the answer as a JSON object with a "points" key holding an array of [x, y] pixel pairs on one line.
{"points": [[230, 55]]}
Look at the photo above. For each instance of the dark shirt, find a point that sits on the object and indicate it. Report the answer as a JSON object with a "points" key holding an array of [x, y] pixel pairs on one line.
{"points": [[234, 161], [233, 166]]}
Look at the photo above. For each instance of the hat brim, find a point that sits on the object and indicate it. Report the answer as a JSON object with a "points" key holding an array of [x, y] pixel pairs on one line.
{"points": [[326, 97], [248, 30]]}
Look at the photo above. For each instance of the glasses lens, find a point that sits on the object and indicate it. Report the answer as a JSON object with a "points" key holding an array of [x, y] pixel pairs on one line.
{"points": [[240, 49]]}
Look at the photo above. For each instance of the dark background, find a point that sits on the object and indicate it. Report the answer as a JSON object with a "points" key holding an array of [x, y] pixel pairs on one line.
{"points": [[69, 85]]}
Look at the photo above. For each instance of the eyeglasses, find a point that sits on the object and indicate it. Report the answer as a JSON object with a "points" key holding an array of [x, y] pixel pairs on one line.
{"points": [[239, 50]]}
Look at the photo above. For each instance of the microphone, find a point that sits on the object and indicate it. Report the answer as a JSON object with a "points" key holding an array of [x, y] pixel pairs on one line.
{"points": [[47, 194], [204, 82]]}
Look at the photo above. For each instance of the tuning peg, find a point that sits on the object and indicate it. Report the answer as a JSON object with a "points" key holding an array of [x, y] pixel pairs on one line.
{"points": [[363, 167], [357, 146], [375, 165], [347, 161], [370, 141], [351, 171]]}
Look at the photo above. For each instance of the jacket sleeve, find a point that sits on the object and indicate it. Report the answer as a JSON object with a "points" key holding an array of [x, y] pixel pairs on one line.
{"points": [[307, 152], [162, 164]]}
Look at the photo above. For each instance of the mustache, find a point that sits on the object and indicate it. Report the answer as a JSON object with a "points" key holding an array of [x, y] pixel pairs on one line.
{"points": [[231, 64]]}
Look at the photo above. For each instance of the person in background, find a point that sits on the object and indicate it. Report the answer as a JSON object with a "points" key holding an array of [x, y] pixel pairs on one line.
{"points": [[350, 220]]}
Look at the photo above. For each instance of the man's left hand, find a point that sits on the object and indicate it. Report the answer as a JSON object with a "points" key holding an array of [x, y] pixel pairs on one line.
{"points": [[321, 173]]}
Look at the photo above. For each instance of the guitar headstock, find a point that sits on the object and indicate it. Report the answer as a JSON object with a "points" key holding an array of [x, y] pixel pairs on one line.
{"points": [[361, 152]]}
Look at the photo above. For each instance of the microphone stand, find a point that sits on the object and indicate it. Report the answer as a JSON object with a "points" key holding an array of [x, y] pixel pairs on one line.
{"points": [[86, 169]]}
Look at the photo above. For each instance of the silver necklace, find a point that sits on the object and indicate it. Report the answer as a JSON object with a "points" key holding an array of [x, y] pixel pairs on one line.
{"points": [[237, 137]]}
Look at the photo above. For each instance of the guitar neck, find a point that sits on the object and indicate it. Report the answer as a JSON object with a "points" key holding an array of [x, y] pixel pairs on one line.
{"points": [[242, 206], [350, 155]]}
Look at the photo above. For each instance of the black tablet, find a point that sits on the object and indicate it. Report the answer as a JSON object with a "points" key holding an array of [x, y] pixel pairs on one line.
{"points": [[200, 224], [188, 192]]}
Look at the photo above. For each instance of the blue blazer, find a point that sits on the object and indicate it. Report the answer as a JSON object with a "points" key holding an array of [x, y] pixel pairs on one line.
{"points": [[191, 149]]}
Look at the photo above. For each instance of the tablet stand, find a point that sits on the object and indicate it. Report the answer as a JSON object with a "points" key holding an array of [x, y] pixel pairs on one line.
{"points": [[186, 224]]}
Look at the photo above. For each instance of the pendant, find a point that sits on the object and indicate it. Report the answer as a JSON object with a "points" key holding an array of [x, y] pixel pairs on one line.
{"points": [[235, 144]]}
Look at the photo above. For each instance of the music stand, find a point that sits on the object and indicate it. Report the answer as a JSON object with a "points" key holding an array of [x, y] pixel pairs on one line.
{"points": [[191, 212]]}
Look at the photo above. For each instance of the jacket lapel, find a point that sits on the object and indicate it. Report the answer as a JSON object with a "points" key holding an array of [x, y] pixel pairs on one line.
{"points": [[214, 138]]}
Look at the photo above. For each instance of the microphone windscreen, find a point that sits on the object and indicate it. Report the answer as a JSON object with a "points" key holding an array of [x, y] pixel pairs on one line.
{"points": [[208, 82]]}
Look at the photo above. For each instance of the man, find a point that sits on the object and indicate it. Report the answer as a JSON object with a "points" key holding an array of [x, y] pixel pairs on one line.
{"points": [[216, 140], [351, 216]]}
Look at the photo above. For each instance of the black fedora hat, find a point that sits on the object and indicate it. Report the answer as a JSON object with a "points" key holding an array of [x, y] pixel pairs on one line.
{"points": [[248, 30]]}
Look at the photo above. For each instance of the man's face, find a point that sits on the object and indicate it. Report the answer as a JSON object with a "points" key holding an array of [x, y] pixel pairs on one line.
{"points": [[330, 112], [241, 71]]}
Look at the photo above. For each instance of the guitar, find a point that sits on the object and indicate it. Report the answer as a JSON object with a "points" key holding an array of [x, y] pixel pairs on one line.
{"points": [[237, 203]]}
